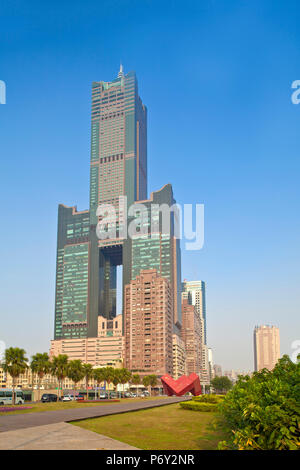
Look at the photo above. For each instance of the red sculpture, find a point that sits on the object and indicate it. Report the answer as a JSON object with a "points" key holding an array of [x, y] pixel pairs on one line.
{"points": [[182, 385]]}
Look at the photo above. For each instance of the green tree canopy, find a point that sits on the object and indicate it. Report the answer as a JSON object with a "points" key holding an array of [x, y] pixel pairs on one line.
{"points": [[88, 374], [146, 381], [221, 384], [59, 368], [40, 365], [75, 371]]}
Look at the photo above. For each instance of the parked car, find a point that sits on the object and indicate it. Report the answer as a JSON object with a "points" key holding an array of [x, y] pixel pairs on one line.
{"points": [[79, 398], [68, 398], [103, 395], [47, 397]]}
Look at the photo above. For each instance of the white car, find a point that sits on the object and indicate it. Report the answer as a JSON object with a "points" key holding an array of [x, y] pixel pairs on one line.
{"points": [[68, 398]]}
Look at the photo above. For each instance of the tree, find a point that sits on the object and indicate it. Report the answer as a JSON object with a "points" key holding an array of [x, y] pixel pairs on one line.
{"points": [[136, 380], [125, 376], [221, 384], [15, 363], [152, 382], [109, 373], [262, 412], [116, 378], [99, 376], [59, 368], [40, 366], [75, 371], [146, 381], [88, 374]]}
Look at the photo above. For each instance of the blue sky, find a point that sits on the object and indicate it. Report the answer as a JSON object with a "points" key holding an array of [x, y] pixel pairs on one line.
{"points": [[216, 77]]}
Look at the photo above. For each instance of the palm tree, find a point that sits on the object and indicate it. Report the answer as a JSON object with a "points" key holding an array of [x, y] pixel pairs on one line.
{"points": [[75, 372], [116, 378], [59, 368], [88, 374], [146, 381], [136, 380], [99, 376], [40, 365], [125, 376], [152, 382], [109, 373], [15, 363]]}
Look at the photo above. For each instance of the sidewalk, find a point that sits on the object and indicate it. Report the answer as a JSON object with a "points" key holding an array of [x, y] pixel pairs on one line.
{"points": [[59, 436]]}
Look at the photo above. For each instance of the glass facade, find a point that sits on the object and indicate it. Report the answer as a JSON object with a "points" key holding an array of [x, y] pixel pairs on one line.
{"points": [[86, 266]]}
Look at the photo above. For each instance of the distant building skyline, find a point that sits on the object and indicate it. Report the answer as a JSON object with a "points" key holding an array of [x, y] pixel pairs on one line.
{"points": [[266, 347]]}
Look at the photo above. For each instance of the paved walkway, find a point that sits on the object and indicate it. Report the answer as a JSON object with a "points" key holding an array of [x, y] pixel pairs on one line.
{"points": [[28, 420], [59, 436]]}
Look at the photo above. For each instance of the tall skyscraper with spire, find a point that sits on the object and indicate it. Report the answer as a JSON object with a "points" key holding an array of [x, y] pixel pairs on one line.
{"points": [[86, 265], [86, 268]]}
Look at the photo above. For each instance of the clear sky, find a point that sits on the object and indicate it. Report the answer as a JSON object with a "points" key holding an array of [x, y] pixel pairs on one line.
{"points": [[216, 77]]}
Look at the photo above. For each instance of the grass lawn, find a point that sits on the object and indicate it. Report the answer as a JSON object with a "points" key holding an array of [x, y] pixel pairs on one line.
{"points": [[36, 407], [165, 428]]}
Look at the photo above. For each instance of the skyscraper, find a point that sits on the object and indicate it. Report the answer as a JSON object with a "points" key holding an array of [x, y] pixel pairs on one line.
{"points": [[191, 337], [86, 265], [149, 324], [194, 292], [87, 259], [196, 296], [266, 347]]}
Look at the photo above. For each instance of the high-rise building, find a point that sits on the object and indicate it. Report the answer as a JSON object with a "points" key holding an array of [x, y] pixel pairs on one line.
{"points": [[87, 253], [266, 347], [156, 245], [149, 324], [195, 292], [191, 337], [210, 364], [179, 357], [217, 370], [86, 264]]}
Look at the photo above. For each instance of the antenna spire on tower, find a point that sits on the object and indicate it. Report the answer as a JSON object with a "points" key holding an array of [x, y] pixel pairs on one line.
{"points": [[121, 74]]}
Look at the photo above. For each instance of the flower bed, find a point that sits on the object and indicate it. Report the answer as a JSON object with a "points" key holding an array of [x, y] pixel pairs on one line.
{"points": [[4, 409]]}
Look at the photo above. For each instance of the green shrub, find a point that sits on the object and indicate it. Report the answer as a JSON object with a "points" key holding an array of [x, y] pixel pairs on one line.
{"points": [[198, 406], [263, 412], [208, 398]]}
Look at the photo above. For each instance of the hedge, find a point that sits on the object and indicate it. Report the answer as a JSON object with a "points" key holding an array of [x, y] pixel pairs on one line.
{"points": [[198, 406], [207, 398]]}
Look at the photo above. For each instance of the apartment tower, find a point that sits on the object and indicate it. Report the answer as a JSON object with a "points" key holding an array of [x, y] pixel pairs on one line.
{"points": [[266, 347]]}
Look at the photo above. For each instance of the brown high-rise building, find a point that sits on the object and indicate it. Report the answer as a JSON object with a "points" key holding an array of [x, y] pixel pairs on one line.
{"points": [[191, 335], [266, 347], [148, 324]]}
